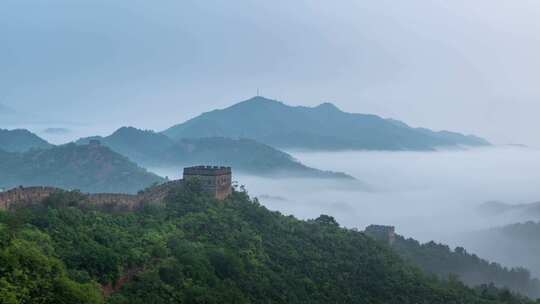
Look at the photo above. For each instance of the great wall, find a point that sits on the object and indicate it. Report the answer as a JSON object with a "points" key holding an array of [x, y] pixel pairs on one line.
{"points": [[214, 180], [24, 196]]}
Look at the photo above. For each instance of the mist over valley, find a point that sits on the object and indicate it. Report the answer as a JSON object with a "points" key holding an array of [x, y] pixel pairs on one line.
{"points": [[242, 152], [428, 195]]}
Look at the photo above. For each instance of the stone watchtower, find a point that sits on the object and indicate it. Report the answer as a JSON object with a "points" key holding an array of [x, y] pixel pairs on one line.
{"points": [[214, 180], [383, 233]]}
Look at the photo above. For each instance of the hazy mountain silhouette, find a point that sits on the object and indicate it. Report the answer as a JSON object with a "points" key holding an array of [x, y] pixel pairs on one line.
{"points": [[149, 148], [89, 168], [513, 244], [324, 127], [20, 140]]}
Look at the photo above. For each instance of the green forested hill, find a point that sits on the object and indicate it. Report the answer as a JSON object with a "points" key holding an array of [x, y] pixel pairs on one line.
{"points": [[245, 155], [194, 249], [86, 168]]}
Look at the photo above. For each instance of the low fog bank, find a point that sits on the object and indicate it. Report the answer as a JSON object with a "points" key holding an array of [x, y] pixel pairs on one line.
{"points": [[426, 195]]}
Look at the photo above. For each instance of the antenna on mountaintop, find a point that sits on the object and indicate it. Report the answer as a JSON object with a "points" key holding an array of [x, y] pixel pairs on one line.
{"points": [[258, 92]]}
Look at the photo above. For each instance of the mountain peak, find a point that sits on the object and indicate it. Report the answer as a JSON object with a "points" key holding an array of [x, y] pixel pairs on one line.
{"points": [[260, 100], [20, 140], [126, 130], [130, 131], [264, 101], [328, 106], [256, 103]]}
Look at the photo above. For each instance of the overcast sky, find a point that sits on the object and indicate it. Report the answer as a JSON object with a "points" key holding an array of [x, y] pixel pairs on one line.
{"points": [[469, 66]]}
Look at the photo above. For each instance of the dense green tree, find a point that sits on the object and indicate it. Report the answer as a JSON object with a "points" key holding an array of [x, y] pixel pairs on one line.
{"points": [[30, 274]]}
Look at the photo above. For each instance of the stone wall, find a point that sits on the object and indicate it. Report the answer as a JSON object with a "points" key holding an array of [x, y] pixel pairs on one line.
{"points": [[25, 196], [114, 201]]}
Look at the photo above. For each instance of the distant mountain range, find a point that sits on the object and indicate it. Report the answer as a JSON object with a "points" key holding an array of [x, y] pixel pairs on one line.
{"points": [[324, 127], [152, 149], [20, 140], [83, 167], [245, 136]]}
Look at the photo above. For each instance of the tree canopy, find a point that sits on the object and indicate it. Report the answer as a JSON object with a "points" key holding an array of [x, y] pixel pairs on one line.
{"points": [[194, 249]]}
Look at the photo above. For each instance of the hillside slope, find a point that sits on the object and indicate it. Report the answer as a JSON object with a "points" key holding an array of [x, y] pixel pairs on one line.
{"points": [[442, 261], [515, 244], [152, 149], [20, 140], [197, 250], [324, 127], [87, 168]]}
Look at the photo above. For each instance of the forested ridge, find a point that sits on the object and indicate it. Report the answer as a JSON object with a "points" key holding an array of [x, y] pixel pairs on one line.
{"points": [[151, 149], [441, 260], [87, 168], [194, 249]]}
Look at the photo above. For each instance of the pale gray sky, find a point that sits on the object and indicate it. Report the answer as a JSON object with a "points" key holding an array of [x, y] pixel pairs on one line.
{"points": [[469, 66]]}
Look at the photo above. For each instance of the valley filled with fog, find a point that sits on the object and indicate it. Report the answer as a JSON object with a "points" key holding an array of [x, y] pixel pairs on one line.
{"points": [[426, 195]]}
